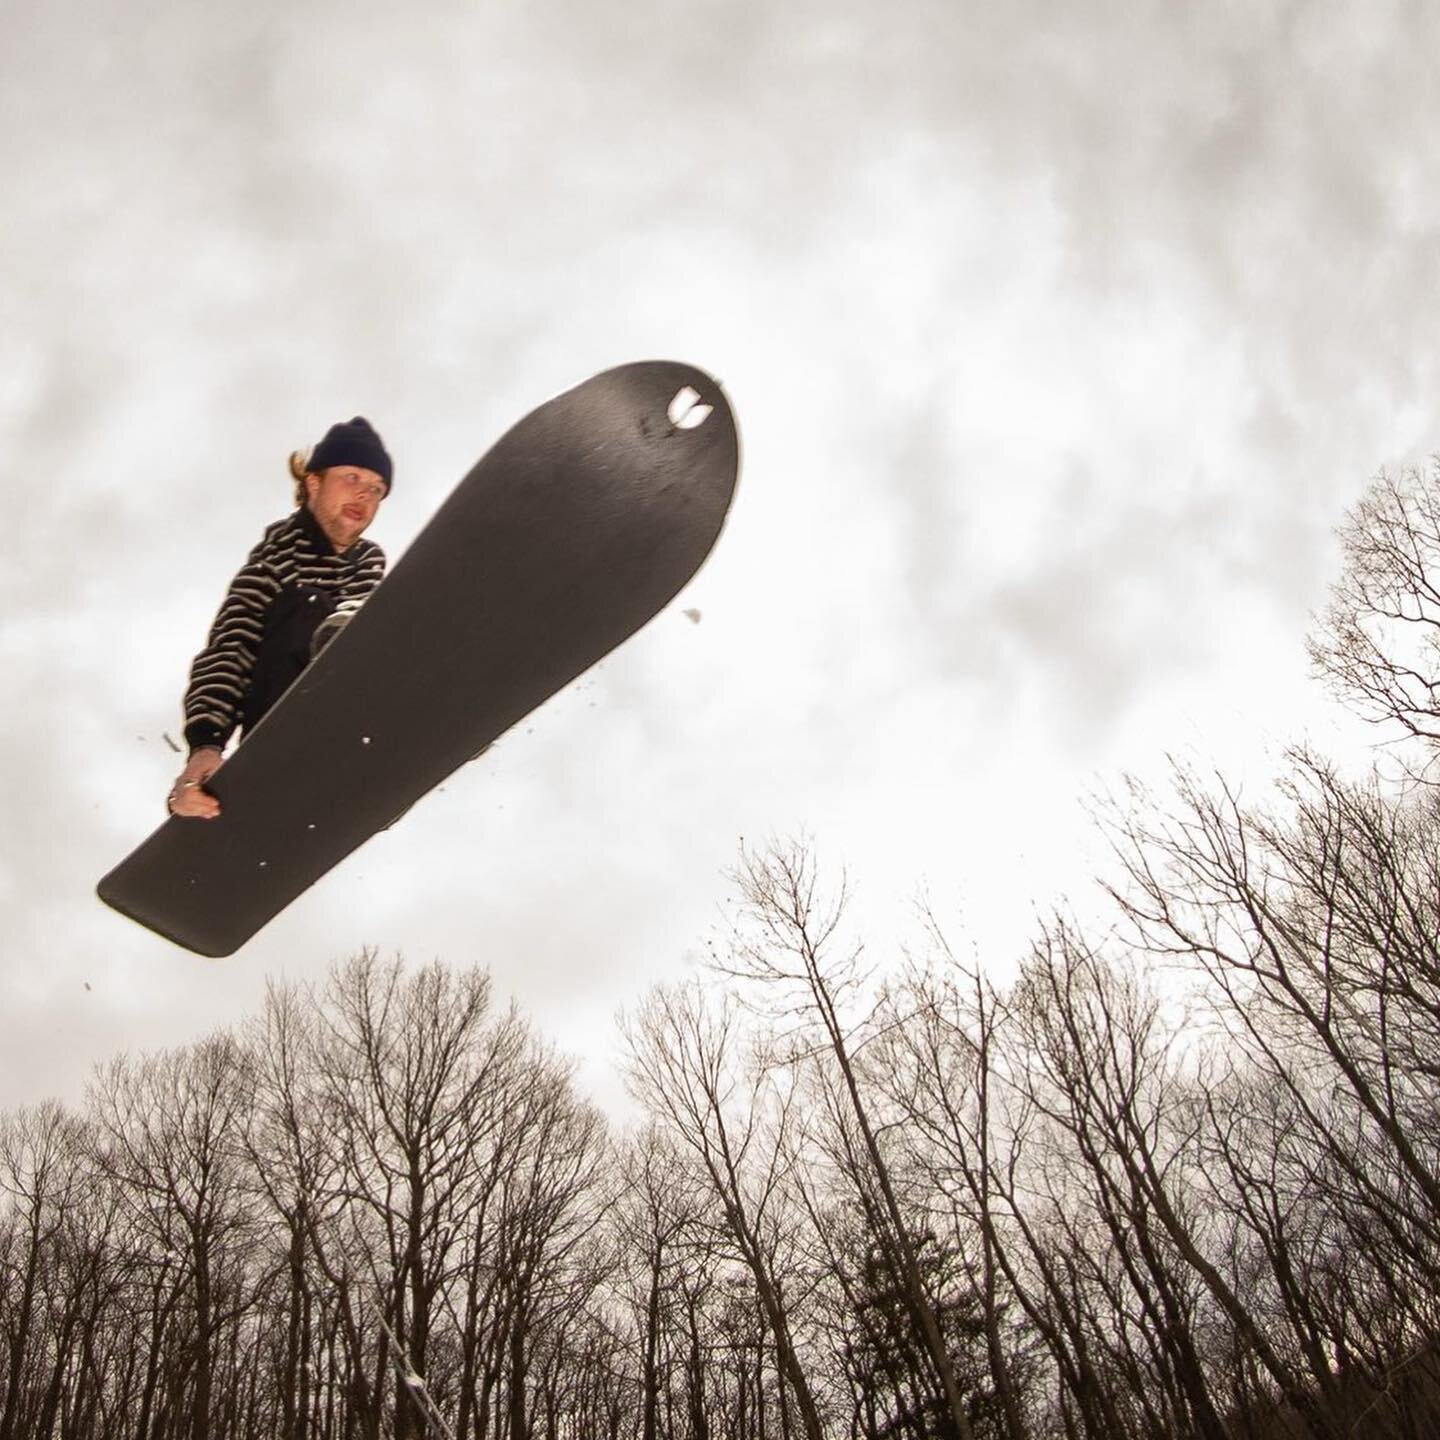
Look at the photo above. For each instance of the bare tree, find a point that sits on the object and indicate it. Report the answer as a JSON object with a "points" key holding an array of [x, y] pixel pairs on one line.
{"points": [[169, 1132], [549, 1214], [296, 1172], [682, 1067], [411, 1076], [1100, 1070], [1314, 928], [1318, 931], [42, 1151], [938, 1057], [786, 944], [660, 1205], [1378, 641]]}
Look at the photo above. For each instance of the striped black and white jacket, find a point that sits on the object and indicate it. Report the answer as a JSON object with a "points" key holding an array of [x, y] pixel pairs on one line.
{"points": [[260, 641]]}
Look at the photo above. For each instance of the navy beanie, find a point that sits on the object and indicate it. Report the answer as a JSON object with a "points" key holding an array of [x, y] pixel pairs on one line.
{"points": [[353, 442]]}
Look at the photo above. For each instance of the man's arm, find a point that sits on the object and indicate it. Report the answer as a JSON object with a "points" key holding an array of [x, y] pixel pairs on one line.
{"points": [[219, 677], [220, 673]]}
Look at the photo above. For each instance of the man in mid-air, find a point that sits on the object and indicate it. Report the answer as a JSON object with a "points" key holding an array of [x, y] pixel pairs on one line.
{"points": [[307, 567]]}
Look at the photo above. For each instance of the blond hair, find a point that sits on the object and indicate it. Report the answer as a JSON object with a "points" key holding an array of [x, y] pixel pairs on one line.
{"points": [[299, 469]]}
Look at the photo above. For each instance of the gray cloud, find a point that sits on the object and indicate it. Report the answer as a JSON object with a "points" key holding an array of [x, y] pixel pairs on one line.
{"points": [[1058, 339]]}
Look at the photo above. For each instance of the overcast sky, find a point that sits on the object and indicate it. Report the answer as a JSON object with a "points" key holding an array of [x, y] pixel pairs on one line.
{"points": [[1059, 337]]}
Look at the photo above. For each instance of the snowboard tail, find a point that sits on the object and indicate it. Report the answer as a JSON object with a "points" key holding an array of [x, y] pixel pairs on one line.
{"points": [[573, 531]]}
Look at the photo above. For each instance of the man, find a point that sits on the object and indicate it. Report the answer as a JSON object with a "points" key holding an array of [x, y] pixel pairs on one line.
{"points": [[305, 568]]}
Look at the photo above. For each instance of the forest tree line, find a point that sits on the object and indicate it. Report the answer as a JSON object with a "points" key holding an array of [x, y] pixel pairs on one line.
{"points": [[1176, 1175]]}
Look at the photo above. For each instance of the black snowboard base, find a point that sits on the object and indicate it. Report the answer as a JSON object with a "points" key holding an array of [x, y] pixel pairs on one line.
{"points": [[571, 533]]}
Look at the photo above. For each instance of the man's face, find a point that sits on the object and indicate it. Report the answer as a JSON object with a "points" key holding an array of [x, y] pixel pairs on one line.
{"points": [[344, 500]]}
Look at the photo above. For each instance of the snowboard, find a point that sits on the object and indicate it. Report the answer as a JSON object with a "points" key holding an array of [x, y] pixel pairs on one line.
{"points": [[574, 530]]}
